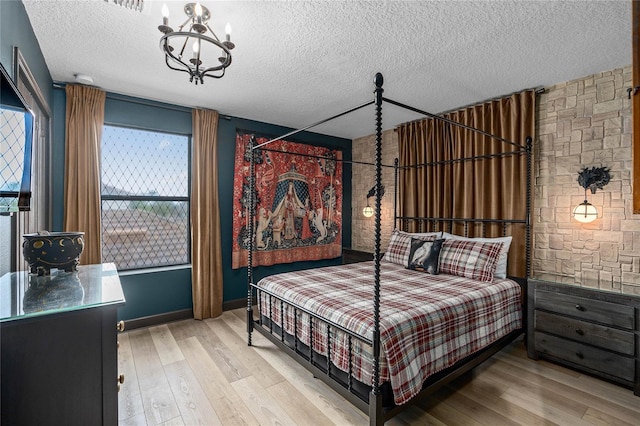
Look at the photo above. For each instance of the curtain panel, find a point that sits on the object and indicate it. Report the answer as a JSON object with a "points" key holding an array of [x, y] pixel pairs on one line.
{"points": [[84, 122], [484, 188], [206, 254]]}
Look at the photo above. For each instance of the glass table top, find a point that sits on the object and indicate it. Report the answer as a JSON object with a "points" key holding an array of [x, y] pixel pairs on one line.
{"points": [[25, 295]]}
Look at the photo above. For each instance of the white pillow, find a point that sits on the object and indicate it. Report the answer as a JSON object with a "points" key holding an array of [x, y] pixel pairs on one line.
{"points": [[501, 268]]}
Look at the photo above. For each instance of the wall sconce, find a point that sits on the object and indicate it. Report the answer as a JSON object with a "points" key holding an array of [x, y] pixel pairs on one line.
{"points": [[368, 210], [585, 212], [593, 178]]}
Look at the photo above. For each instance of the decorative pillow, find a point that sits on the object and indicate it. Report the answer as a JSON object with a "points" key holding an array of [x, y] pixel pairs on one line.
{"points": [[424, 255], [501, 268], [470, 259], [399, 246]]}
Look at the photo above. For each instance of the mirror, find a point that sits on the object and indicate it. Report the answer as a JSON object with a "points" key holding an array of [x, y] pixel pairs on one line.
{"points": [[16, 137]]}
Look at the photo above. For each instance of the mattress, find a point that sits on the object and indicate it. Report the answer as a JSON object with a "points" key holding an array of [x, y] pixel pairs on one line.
{"points": [[427, 322]]}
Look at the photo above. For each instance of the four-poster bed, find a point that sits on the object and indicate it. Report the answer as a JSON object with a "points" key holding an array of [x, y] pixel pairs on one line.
{"points": [[385, 339]]}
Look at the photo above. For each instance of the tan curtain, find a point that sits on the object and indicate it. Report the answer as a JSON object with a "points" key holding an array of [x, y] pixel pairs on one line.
{"points": [[489, 189], [84, 121], [206, 254]]}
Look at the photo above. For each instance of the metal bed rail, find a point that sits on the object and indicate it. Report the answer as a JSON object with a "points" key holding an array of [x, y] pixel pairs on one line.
{"points": [[328, 372]]}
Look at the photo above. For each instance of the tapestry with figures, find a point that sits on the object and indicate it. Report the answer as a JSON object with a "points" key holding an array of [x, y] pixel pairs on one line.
{"points": [[298, 202]]}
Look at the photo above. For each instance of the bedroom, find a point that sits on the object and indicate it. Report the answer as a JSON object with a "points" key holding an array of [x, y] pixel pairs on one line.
{"points": [[154, 294]]}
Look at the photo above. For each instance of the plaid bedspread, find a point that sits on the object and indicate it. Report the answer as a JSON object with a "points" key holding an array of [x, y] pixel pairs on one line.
{"points": [[427, 322]]}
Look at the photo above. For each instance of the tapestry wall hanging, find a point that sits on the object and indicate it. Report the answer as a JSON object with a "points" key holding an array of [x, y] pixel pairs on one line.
{"points": [[298, 202]]}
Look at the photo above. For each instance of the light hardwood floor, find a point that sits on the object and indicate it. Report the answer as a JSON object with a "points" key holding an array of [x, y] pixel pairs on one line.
{"points": [[203, 373]]}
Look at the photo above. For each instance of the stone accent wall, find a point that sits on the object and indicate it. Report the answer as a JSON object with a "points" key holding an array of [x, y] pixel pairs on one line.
{"points": [[586, 123], [580, 123], [364, 177]]}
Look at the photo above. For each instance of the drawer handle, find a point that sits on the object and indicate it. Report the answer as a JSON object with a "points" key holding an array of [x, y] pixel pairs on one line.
{"points": [[579, 332], [580, 355], [120, 380], [580, 307], [120, 326]]}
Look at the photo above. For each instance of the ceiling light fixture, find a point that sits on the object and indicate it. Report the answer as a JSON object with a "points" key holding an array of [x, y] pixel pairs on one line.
{"points": [[204, 44]]}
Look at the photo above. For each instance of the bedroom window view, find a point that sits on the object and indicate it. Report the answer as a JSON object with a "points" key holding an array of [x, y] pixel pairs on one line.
{"points": [[145, 198]]}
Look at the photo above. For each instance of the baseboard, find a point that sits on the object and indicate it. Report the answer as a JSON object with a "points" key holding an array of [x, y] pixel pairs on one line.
{"points": [[235, 304], [182, 314], [164, 318]]}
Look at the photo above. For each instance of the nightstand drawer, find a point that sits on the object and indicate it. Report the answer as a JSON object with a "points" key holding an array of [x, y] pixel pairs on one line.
{"points": [[595, 310], [585, 332], [590, 357]]}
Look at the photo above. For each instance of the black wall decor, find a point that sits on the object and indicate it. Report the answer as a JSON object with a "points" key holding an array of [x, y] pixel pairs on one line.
{"points": [[594, 178]]}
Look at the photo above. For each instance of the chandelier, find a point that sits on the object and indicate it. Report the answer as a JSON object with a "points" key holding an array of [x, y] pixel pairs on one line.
{"points": [[209, 57]]}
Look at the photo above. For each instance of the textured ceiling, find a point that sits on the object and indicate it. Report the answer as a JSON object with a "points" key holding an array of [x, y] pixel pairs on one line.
{"points": [[297, 62]]}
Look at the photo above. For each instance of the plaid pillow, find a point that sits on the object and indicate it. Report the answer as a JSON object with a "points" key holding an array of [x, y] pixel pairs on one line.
{"points": [[400, 245], [470, 259], [501, 269]]}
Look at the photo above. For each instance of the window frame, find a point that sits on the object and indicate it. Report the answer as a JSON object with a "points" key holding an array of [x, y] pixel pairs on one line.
{"points": [[38, 217], [186, 199]]}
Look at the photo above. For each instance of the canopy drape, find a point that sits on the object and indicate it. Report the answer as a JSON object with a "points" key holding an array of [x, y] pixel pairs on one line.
{"points": [[480, 188]]}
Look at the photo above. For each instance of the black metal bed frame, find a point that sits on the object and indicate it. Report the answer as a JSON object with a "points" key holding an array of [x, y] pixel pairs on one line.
{"points": [[319, 365]]}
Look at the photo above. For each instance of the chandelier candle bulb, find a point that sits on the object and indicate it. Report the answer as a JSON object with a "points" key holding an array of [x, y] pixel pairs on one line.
{"points": [[165, 14], [198, 10], [227, 30]]}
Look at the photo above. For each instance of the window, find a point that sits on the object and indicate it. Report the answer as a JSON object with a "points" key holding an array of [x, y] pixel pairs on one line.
{"points": [[145, 198]]}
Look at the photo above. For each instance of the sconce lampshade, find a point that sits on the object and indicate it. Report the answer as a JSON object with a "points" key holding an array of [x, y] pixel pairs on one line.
{"points": [[367, 211], [585, 212]]}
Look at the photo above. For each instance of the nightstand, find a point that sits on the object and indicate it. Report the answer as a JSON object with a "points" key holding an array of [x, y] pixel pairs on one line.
{"points": [[594, 331], [353, 256]]}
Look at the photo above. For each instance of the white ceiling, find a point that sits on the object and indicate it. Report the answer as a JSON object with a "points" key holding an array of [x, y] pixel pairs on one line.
{"points": [[298, 62]]}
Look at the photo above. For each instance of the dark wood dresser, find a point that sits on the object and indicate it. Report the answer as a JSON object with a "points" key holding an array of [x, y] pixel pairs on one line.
{"points": [[594, 331], [59, 347]]}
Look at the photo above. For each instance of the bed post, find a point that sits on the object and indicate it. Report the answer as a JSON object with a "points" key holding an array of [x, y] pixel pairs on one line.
{"points": [[252, 143], [375, 399], [395, 192], [529, 142]]}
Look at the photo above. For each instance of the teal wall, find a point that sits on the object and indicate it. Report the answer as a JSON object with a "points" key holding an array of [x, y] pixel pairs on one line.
{"points": [[15, 30], [152, 293]]}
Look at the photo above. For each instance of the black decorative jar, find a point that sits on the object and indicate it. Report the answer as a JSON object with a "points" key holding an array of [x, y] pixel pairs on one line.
{"points": [[52, 250]]}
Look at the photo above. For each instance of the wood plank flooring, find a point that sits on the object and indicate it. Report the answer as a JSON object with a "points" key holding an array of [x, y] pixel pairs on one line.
{"points": [[203, 373]]}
